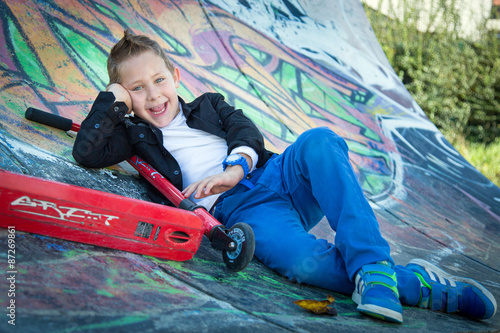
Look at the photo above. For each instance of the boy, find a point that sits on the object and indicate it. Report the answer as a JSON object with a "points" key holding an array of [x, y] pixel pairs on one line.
{"points": [[216, 156]]}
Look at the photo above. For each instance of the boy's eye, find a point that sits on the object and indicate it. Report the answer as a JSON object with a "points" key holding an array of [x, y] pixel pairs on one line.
{"points": [[160, 79], [137, 88]]}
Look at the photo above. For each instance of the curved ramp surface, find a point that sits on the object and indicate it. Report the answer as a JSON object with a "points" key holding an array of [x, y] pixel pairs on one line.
{"points": [[290, 65]]}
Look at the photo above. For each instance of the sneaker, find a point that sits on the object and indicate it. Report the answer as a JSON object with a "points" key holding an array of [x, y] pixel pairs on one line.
{"points": [[441, 291], [376, 292]]}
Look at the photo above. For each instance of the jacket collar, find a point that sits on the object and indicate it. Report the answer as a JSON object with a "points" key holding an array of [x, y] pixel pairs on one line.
{"points": [[184, 107]]}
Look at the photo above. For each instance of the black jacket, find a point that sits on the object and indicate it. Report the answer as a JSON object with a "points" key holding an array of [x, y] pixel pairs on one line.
{"points": [[107, 137]]}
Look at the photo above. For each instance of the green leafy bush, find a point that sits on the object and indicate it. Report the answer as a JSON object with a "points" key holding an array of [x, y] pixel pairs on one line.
{"points": [[484, 157], [456, 81]]}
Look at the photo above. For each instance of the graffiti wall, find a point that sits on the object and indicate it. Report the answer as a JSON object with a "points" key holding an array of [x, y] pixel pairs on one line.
{"points": [[290, 65], [54, 58], [294, 72]]}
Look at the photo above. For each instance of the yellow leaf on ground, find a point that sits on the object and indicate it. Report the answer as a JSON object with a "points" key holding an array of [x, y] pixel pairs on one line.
{"points": [[318, 307]]}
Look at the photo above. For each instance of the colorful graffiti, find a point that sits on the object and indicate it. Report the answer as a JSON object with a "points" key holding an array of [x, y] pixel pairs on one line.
{"points": [[302, 68], [54, 59], [72, 287]]}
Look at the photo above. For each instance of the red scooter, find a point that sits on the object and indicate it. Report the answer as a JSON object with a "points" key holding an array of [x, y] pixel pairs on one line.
{"points": [[149, 224]]}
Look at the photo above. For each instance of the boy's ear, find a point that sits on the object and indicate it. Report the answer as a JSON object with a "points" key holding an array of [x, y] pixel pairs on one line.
{"points": [[177, 77]]}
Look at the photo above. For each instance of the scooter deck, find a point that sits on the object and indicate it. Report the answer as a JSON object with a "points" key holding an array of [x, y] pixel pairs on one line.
{"points": [[88, 216]]}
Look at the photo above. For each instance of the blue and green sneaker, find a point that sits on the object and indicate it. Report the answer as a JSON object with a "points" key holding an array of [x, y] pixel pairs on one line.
{"points": [[376, 292], [441, 291]]}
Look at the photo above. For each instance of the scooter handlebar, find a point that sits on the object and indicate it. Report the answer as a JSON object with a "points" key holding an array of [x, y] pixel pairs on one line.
{"points": [[49, 119]]}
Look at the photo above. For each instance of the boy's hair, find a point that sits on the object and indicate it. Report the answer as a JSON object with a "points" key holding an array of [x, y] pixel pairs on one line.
{"points": [[131, 45]]}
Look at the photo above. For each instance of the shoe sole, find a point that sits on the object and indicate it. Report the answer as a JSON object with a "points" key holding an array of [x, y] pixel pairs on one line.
{"points": [[381, 313], [431, 267], [377, 311]]}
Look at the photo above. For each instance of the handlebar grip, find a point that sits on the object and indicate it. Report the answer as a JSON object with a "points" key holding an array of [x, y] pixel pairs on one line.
{"points": [[49, 119]]}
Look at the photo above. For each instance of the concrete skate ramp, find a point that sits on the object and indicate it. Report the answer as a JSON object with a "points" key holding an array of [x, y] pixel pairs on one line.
{"points": [[291, 65]]}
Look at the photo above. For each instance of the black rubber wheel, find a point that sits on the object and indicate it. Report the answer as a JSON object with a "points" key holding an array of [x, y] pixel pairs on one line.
{"points": [[243, 236]]}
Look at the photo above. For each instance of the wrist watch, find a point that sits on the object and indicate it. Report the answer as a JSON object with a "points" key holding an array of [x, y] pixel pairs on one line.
{"points": [[236, 159]]}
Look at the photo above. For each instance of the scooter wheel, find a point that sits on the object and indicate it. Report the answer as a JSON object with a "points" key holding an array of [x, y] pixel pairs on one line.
{"points": [[242, 235]]}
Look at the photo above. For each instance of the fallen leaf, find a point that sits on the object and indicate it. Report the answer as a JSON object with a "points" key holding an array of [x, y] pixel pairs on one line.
{"points": [[318, 307]]}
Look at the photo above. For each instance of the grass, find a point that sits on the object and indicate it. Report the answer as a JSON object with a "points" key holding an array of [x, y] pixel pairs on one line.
{"points": [[485, 158]]}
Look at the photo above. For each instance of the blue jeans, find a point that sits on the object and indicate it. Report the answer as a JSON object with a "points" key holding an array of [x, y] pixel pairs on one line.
{"points": [[313, 178]]}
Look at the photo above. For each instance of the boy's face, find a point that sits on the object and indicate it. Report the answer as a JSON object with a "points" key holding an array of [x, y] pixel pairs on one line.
{"points": [[152, 88]]}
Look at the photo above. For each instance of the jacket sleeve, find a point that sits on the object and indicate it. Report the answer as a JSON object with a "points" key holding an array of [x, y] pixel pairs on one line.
{"points": [[102, 139], [241, 131]]}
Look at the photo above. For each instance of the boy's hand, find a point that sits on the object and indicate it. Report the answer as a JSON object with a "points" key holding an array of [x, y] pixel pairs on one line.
{"points": [[121, 94], [215, 184]]}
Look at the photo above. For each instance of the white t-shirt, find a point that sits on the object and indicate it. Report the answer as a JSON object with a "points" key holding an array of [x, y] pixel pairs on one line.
{"points": [[199, 154]]}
